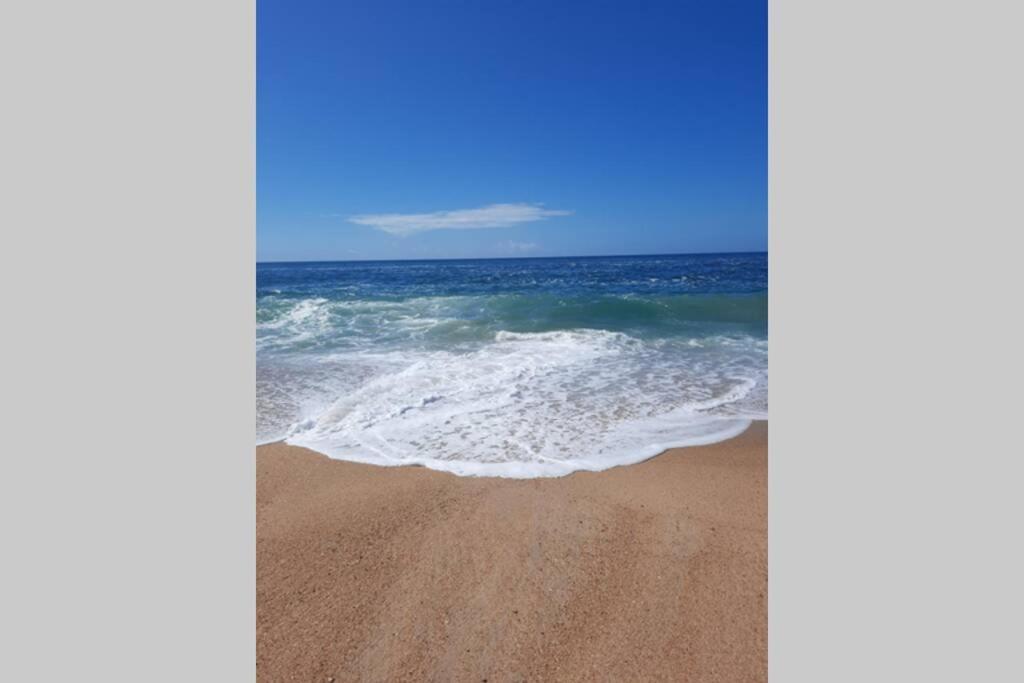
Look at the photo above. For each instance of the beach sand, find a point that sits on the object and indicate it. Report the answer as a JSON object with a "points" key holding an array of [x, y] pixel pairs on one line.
{"points": [[655, 571]]}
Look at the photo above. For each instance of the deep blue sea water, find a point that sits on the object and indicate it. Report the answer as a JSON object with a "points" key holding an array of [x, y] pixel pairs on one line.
{"points": [[511, 367]]}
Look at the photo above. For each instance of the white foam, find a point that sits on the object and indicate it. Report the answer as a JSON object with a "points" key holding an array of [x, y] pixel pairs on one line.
{"points": [[301, 321], [531, 404]]}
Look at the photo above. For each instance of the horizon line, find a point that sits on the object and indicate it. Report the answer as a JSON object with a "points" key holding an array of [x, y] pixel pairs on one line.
{"points": [[511, 258]]}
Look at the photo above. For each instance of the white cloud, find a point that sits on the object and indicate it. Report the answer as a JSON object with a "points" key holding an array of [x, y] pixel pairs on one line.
{"points": [[493, 216], [518, 247]]}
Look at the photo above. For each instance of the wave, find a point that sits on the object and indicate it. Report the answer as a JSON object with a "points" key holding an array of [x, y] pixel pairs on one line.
{"points": [[304, 323], [530, 404]]}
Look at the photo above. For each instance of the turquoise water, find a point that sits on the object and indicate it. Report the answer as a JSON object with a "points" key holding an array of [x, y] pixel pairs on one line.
{"points": [[516, 367]]}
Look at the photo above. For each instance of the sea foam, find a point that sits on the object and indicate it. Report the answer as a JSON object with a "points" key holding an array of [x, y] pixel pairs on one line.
{"points": [[529, 405]]}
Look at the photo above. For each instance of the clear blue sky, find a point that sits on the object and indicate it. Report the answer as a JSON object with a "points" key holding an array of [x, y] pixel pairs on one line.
{"points": [[481, 129]]}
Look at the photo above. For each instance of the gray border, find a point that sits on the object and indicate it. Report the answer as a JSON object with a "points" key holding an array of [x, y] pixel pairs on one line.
{"points": [[128, 372], [894, 511]]}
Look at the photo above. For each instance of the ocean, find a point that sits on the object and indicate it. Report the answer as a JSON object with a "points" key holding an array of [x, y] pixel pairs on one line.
{"points": [[511, 367]]}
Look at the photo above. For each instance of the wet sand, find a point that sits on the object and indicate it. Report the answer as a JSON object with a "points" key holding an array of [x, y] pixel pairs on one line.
{"points": [[654, 571]]}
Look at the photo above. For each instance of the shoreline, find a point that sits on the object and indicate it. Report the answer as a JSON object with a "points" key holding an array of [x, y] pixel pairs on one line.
{"points": [[653, 570], [480, 470]]}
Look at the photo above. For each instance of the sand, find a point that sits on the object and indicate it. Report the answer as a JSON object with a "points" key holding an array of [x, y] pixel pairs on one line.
{"points": [[655, 571]]}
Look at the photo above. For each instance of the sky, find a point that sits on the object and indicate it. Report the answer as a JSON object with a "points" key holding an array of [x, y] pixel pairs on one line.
{"points": [[432, 129]]}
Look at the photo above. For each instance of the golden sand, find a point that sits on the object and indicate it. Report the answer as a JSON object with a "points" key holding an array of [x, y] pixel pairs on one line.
{"points": [[654, 571]]}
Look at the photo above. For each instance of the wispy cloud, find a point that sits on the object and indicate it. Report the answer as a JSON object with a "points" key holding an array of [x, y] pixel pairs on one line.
{"points": [[493, 216], [512, 247]]}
